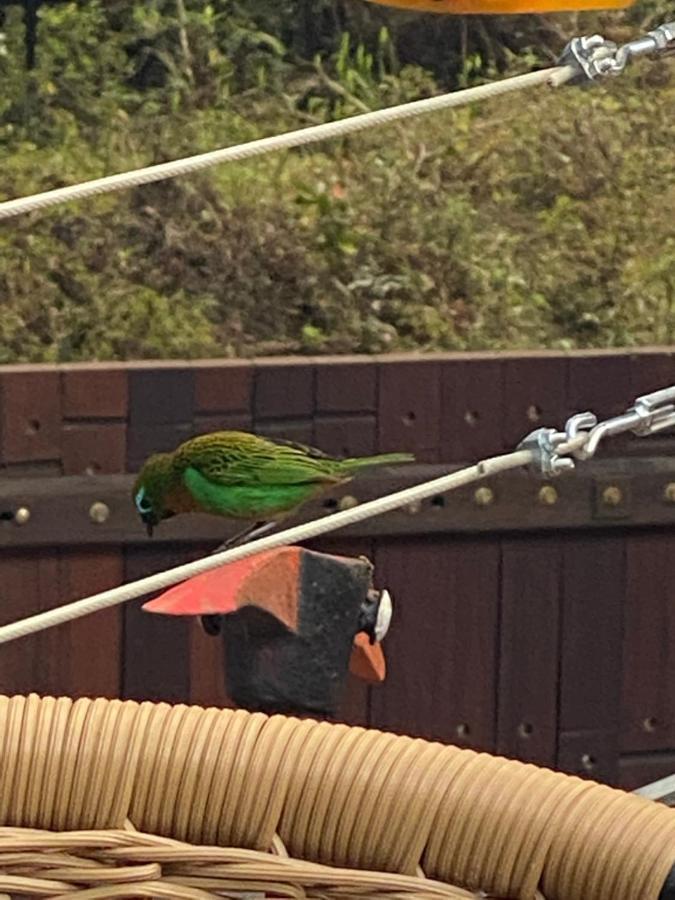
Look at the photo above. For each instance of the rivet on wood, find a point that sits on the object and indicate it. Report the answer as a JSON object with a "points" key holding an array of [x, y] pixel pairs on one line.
{"points": [[462, 730], [548, 496], [484, 496], [414, 507], [588, 762], [612, 496], [525, 730], [669, 492], [22, 515], [649, 724], [99, 512], [347, 502]]}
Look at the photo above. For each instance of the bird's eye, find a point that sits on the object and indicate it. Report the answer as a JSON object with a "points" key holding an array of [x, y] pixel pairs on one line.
{"points": [[143, 505]]}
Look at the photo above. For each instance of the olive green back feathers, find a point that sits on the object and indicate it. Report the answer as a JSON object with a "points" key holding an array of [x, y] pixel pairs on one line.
{"points": [[242, 475]]}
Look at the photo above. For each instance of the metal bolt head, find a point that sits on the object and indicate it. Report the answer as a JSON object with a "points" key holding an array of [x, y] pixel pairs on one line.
{"points": [[347, 502], [548, 496], [99, 512], [588, 762], [669, 492], [484, 496], [664, 36], [22, 515], [612, 495]]}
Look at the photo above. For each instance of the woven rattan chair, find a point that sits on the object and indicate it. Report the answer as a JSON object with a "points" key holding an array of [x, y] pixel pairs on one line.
{"points": [[104, 798]]}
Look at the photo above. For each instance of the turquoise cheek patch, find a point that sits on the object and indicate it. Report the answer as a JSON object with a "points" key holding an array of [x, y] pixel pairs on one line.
{"points": [[140, 497]]}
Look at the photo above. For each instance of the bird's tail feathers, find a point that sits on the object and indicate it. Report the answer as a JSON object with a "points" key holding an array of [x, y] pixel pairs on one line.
{"points": [[382, 459]]}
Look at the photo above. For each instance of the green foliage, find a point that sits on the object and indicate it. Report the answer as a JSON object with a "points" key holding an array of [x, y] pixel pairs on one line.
{"points": [[540, 220]]}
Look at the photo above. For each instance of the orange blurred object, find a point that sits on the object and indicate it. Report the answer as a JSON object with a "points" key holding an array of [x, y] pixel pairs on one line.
{"points": [[268, 579], [367, 660], [502, 7]]}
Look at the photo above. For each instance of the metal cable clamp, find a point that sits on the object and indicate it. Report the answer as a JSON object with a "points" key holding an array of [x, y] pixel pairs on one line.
{"points": [[594, 56], [553, 450], [648, 415], [543, 444]]}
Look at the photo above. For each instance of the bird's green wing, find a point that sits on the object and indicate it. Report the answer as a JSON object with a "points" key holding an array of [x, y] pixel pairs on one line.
{"points": [[236, 458]]}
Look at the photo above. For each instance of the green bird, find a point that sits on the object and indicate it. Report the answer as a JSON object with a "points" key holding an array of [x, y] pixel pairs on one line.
{"points": [[241, 476]]}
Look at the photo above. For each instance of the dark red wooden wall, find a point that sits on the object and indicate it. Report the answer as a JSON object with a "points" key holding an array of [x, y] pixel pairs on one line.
{"points": [[554, 647]]}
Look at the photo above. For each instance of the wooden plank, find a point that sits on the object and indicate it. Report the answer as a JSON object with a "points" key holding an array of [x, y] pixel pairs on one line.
{"points": [[49, 469], [651, 372], [156, 661], [30, 416], [409, 408], [346, 386], [60, 507], [648, 697], [355, 704], [601, 384], [472, 409], [161, 396], [79, 658], [90, 657], [346, 435], [592, 754], [95, 392], [161, 412], [94, 449], [30, 584], [223, 387], [283, 389], [529, 649], [593, 588], [442, 646], [535, 396]]}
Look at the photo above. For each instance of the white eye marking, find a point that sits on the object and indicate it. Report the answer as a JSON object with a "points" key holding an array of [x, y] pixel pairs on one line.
{"points": [[384, 614], [143, 505]]}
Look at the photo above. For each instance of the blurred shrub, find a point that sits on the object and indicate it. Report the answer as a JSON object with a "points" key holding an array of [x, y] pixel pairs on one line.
{"points": [[543, 220]]}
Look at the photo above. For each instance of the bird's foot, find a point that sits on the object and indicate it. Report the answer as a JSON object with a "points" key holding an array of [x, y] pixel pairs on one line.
{"points": [[211, 624], [257, 530]]}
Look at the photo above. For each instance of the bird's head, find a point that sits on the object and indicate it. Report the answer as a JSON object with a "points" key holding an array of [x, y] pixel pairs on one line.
{"points": [[151, 489]]}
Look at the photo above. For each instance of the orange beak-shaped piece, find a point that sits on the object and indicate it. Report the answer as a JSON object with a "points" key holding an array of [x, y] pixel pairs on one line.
{"points": [[503, 7], [268, 579], [367, 661]]}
